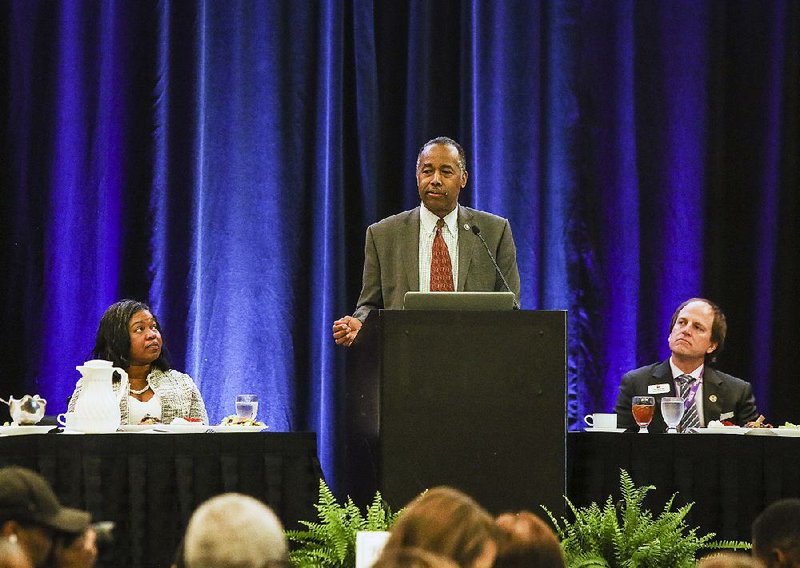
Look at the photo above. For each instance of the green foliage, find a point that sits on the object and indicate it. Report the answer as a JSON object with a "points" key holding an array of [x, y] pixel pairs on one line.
{"points": [[332, 540], [629, 536]]}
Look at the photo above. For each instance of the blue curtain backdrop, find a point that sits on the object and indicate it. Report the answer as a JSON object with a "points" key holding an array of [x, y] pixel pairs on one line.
{"points": [[222, 160]]}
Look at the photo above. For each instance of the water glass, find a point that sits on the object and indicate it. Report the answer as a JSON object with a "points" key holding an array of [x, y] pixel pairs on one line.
{"points": [[247, 406], [672, 409], [643, 408]]}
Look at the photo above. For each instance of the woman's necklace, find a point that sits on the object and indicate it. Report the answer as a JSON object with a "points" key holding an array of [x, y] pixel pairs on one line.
{"points": [[140, 391]]}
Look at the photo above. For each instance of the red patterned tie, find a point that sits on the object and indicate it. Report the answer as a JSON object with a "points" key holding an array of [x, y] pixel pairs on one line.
{"points": [[441, 270]]}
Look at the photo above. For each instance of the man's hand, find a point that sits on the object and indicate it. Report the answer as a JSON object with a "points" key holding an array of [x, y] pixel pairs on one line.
{"points": [[81, 553], [345, 330]]}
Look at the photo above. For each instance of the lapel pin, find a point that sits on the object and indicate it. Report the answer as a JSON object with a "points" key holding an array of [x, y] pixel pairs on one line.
{"points": [[466, 226], [713, 398]]}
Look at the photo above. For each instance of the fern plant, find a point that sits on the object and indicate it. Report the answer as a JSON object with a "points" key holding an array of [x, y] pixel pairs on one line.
{"points": [[629, 536], [332, 540]]}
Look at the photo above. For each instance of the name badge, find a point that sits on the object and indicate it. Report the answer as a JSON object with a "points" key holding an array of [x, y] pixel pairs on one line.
{"points": [[659, 389], [726, 415]]}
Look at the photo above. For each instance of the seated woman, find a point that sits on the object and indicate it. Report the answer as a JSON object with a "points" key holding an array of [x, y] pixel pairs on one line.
{"points": [[130, 337]]}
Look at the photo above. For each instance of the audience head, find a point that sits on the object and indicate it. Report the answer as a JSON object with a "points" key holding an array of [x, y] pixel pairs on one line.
{"points": [[113, 342], [776, 534], [12, 555], [445, 521], [412, 558], [729, 560], [31, 515], [234, 531], [527, 541]]}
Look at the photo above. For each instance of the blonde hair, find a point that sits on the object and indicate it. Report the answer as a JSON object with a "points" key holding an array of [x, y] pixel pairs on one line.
{"points": [[445, 521], [412, 558], [234, 531]]}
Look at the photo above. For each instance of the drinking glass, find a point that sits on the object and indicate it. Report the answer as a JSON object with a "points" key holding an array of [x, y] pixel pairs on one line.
{"points": [[672, 410], [643, 408], [247, 406]]}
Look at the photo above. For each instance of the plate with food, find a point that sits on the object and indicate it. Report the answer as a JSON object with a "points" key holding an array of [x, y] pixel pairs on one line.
{"points": [[717, 427], [182, 428], [788, 430], [184, 425], [136, 427], [235, 423], [238, 428]]}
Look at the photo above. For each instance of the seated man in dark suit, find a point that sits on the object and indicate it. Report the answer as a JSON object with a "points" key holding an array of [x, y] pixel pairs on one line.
{"points": [[697, 335], [432, 247]]}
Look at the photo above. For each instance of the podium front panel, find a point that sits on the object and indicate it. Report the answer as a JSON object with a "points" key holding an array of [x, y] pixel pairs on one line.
{"points": [[474, 400]]}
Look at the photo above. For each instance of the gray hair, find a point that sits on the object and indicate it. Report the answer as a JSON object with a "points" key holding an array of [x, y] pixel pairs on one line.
{"points": [[234, 531]]}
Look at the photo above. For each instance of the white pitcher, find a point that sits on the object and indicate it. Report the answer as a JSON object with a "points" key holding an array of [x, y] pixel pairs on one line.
{"points": [[97, 408]]}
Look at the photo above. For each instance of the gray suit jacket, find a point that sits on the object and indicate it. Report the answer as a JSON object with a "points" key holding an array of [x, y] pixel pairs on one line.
{"points": [[391, 258], [722, 394]]}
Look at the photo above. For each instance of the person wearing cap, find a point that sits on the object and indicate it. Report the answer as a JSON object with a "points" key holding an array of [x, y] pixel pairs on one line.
{"points": [[51, 535]]}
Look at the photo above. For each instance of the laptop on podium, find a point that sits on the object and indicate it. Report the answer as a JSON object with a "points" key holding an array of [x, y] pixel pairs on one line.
{"points": [[460, 301]]}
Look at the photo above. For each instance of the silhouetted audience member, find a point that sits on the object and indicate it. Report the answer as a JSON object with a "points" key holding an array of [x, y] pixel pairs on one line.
{"points": [[234, 531], [412, 558], [729, 560], [776, 534], [445, 521], [50, 535], [526, 541]]}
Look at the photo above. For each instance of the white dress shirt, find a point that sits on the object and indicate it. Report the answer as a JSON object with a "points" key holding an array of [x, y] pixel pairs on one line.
{"points": [[427, 232]]}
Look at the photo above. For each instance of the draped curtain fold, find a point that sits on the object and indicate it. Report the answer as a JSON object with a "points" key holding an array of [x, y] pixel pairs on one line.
{"points": [[222, 160]]}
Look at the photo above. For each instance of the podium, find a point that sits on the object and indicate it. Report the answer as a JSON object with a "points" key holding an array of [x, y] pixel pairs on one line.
{"points": [[474, 400]]}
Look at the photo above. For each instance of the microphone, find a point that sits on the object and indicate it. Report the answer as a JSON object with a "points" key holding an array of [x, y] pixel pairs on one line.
{"points": [[477, 232]]}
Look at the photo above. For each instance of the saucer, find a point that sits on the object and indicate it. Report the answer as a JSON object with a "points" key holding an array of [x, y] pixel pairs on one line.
{"points": [[21, 430], [612, 430]]}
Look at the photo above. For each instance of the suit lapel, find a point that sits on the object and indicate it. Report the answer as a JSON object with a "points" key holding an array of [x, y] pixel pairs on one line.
{"points": [[712, 405], [465, 246], [409, 248], [662, 374]]}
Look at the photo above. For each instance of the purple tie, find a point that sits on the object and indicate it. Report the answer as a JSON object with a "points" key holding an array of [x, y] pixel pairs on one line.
{"points": [[690, 418]]}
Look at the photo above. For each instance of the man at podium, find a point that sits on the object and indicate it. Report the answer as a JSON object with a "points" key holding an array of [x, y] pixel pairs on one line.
{"points": [[433, 247]]}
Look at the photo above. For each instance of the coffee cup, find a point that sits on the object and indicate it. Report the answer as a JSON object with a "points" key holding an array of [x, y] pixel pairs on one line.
{"points": [[68, 420], [601, 421]]}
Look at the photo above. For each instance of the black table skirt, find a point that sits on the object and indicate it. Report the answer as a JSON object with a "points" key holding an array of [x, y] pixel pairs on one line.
{"points": [[149, 484], [730, 478]]}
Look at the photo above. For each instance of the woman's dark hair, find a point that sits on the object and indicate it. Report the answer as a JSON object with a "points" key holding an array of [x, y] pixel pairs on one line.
{"points": [[113, 341]]}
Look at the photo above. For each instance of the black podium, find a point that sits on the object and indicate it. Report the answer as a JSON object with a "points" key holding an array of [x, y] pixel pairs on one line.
{"points": [[474, 400]]}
